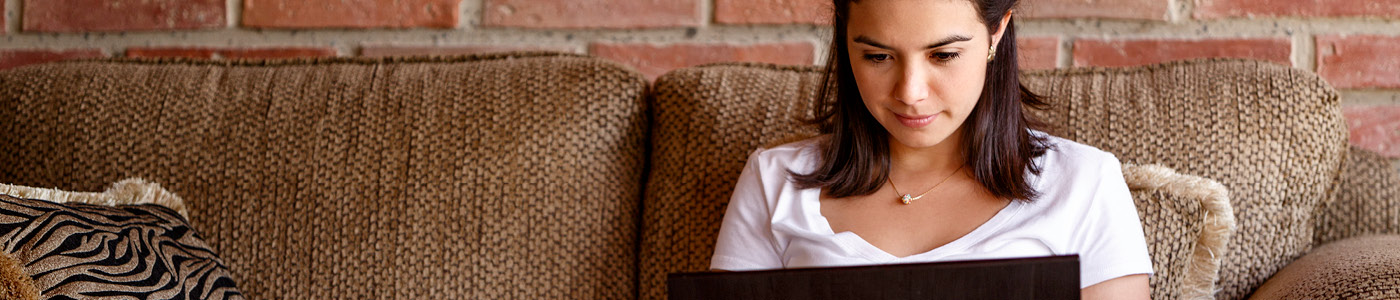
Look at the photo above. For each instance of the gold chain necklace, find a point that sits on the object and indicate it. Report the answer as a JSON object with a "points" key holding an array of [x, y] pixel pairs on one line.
{"points": [[906, 198]]}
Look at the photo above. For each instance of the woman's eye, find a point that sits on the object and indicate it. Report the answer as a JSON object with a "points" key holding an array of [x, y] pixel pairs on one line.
{"points": [[877, 57], [945, 56]]}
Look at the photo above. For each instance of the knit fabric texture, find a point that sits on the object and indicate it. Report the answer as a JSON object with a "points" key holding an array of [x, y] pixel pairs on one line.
{"points": [[1187, 221], [1366, 201], [1273, 135], [503, 176], [706, 122], [709, 118], [1365, 267]]}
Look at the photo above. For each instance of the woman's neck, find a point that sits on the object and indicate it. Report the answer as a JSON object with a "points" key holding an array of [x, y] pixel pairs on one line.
{"points": [[939, 158]]}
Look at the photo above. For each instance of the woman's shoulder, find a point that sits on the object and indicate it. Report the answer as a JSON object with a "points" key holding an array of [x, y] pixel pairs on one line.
{"points": [[797, 154], [1065, 154], [1068, 164]]}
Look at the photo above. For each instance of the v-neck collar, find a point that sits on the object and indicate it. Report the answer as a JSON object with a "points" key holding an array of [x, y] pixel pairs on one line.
{"points": [[811, 203]]}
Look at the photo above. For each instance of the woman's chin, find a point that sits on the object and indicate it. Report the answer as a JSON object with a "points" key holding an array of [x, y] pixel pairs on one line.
{"points": [[919, 141]]}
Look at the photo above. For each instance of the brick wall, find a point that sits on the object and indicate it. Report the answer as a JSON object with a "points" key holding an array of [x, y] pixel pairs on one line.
{"points": [[1345, 41]]}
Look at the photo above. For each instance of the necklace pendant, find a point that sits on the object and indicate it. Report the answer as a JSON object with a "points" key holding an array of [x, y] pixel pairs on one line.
{"points": [[906, 199]]}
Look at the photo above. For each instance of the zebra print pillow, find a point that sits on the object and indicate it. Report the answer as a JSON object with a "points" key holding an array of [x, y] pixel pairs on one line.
{"points": [[84, 251]]}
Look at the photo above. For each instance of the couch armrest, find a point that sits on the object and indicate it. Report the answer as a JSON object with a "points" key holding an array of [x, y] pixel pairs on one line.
{"points": [[1366, 267], [1365, 200]]}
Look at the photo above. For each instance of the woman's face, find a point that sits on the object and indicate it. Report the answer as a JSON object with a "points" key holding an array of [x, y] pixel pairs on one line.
{"points": [[919, 65]]}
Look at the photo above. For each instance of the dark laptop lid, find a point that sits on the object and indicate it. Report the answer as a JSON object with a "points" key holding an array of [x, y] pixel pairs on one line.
{"points": [[1051, 277]]}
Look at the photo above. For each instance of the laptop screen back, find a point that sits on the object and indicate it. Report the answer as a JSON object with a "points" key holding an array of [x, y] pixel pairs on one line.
{"points": [[1052, 277]]}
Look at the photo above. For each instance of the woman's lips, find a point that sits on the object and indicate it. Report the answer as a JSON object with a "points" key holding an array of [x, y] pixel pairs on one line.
{"points": [[916, 121]]}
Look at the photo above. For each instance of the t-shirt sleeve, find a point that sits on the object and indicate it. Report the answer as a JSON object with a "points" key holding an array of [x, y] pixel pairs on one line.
{"points": [[1114, 245], [746, 239]]}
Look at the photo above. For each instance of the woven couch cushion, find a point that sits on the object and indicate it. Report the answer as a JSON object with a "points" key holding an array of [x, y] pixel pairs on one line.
{"points": [[1366, 267], [706, 121], [135, 247], [512, 176], [709, 118], [1187, 221], [1273, 135], [1366, 200]]}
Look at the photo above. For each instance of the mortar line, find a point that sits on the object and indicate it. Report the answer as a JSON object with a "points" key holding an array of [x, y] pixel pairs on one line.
{"points": [[1304, 51], [233, 12], [1064, 52], [13, 14], [469, 14], [707, 14]]}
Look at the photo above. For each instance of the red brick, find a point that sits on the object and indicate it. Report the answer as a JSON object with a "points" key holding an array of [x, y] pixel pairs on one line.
{"points": [[1113, 53], [654, 60], [1376, 128], [398, 50], [1214, 9], [350, 13], [221, 53], [122, 15], [591, 13], [1118, 9], [773, 12], [1037, 52], [16, 58], [1362, 61]]}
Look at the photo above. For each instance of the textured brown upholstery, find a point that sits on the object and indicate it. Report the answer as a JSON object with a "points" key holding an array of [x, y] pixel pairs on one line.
{"points": [[1366, 267], [1271, 134], [1187, 221], [1206, 113], [511, 176], [1366, 201], [707, 121]]}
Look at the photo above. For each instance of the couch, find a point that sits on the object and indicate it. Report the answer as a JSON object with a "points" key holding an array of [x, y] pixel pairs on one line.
{"points": [[542, 175]]}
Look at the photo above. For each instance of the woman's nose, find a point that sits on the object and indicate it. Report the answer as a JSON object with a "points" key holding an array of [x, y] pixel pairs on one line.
{"points": [[912, 86]]}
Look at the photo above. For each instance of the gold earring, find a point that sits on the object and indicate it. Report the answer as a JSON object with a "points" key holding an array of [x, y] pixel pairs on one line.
{"points": [[991, 54]]}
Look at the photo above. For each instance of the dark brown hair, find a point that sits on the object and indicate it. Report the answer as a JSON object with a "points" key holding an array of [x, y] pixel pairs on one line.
{"points": [[998, 147]]}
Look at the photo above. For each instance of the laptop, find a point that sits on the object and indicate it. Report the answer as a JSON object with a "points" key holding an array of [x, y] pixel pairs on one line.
{"points": [[1050, 277]]}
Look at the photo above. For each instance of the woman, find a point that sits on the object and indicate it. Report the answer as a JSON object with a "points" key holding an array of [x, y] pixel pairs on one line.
{"points": [[927, 156]]}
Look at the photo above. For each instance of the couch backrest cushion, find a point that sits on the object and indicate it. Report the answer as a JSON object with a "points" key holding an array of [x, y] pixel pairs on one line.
{"points": [[498, 176], [706, 120], [1273, 135], [1366, 200]]}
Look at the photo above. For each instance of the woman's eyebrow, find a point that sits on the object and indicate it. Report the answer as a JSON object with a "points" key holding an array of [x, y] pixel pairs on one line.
{"points": [[940, 43]]}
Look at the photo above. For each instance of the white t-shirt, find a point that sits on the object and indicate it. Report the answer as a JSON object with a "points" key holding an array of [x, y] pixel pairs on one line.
{"points": [[1084, 208]]}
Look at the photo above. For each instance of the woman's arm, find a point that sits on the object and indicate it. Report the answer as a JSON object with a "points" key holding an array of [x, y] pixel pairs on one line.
{"points": [[1126, 287]]}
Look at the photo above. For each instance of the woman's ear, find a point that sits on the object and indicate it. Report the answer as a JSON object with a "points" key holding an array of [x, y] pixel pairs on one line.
{"points": [[1001, 29]]}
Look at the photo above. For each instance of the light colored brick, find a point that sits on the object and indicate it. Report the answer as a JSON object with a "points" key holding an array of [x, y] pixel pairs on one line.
{"points": [[401, 50], [1117, 9], [773, 12], [1376, 128], [1214, 9], [231, 53], [1115, 53], [1361, 61], [122, 15], [654, 60], [17, 58], [350, 14], [591, 13], [1037, 52]]}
